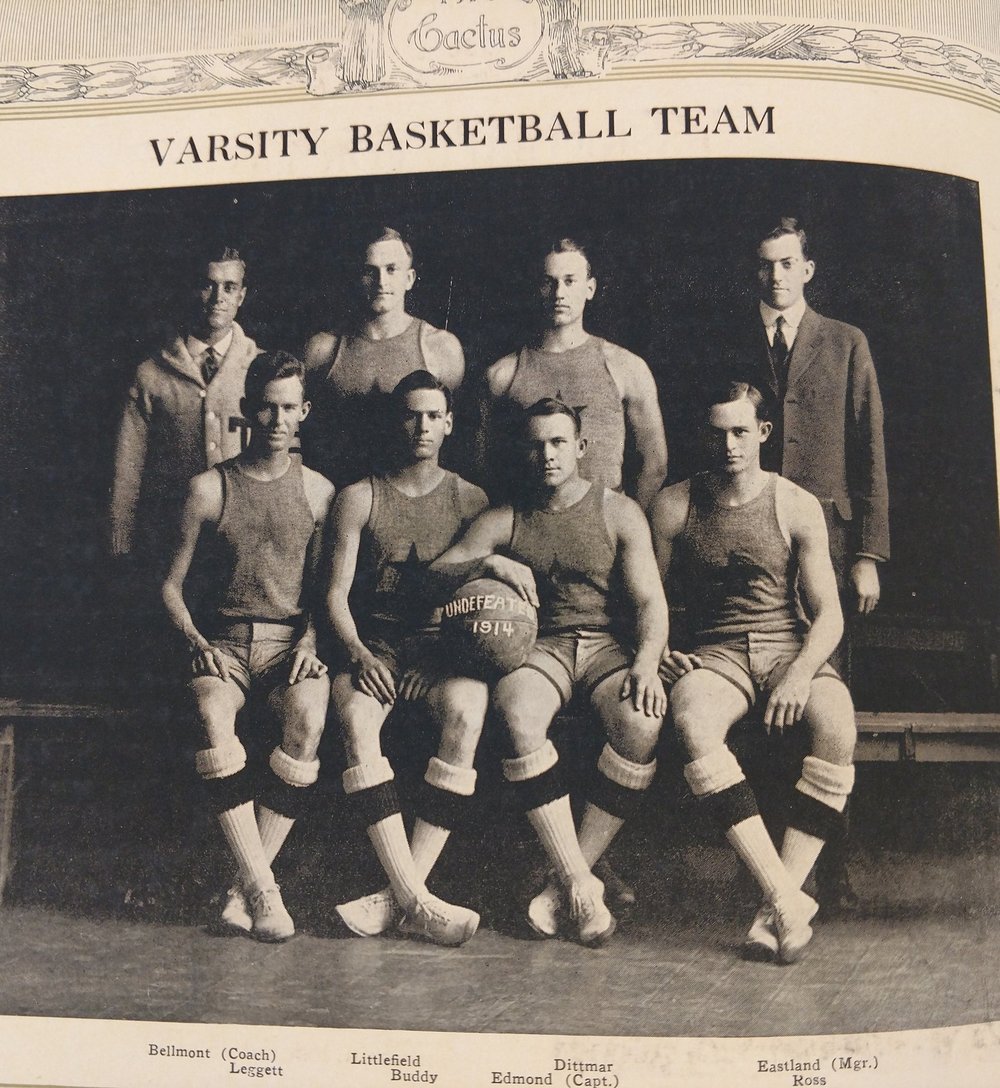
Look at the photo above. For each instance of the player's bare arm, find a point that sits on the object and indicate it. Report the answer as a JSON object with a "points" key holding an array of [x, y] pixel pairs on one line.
{"points": [[475, 555], [444, 356], [818, 587], [202, 508], [667, 517], [319, 495], [351, 511], [644, 589], [494, 385], [643, 422]]}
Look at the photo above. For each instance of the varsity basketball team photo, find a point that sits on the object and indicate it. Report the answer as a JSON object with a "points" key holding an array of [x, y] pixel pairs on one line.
{"points": [[558, 599]]}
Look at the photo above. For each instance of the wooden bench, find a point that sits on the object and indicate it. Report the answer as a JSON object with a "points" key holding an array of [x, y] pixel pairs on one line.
{"points": [[13, 711], [882, 737]]}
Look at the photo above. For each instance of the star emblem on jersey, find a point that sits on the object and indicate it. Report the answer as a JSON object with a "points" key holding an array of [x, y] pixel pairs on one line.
{"points": [[578, 408], [399, 572]]}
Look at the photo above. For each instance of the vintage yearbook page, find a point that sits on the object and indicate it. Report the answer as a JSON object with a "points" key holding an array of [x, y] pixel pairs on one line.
{"points": [[657, 144]]}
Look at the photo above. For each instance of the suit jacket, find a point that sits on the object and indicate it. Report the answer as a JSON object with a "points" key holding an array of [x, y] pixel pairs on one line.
{"points": [[173, 426], [829, 437]]}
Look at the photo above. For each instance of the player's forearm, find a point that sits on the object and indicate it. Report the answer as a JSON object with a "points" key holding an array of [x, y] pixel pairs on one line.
{"points": [[308, 640], [650, 480], [441, 579], [821, 640], [652, 633], [345, 630], [180, 617]]}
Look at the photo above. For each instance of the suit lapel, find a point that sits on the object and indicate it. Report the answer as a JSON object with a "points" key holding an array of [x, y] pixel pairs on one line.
{"points": [[805, 348]]}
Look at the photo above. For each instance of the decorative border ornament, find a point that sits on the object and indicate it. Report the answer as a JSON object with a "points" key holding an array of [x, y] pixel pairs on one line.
{"points": [[380, 52]]}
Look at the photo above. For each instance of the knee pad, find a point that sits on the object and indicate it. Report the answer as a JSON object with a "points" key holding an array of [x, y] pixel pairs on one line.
{"points": [[732, 805], [814, 817], [288, 790], [294, 772], [371, 791], [716, 771], [536, 778], [232, 791], [618, 785], [222, 761], [830, 783]]}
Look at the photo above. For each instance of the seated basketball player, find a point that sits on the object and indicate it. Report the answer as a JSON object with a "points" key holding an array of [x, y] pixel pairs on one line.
{"points": [[385, 529], [583, 555], [742, 540], [255, 519]]}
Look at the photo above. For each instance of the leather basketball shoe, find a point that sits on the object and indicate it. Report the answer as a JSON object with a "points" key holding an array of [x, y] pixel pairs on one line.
{"points": [[371, 915], [235, 912], [792, 915], [438, 921], [271, 922], [545, 911], [595, 923], [762, 938]]}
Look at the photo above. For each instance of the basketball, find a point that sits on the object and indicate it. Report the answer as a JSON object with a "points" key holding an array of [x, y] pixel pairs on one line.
{"points": [[490, 629]]}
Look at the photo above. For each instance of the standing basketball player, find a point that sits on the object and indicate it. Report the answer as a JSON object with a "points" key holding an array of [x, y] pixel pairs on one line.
{"points": [[743, 539], [256, 519], [352, 376], [582, 554], [613, 388], [386, 528]]}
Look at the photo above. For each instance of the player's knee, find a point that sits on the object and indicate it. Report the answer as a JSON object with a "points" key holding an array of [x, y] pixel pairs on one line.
{"points": [[462, 724], [636, 738]]}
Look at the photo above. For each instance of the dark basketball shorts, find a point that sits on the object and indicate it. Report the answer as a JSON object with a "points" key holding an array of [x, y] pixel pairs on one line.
{"points": [[754, 663], [422, 651], [577, 661], [260, 654]]}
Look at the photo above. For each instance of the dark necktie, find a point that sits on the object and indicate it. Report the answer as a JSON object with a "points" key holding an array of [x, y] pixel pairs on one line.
{"points": [[209, 365], [779, 353]]}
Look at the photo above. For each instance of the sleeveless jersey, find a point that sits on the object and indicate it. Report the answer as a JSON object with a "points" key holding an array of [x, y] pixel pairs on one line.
{"points": [[403, 535], [579, 377], [572, 557], [262, 544], [736, 566], [352, 401]]}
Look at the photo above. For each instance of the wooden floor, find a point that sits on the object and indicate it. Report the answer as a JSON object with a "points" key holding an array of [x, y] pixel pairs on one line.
{"points": [[922, 950]]}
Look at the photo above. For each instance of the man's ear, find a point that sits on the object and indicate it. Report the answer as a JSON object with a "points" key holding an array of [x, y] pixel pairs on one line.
{"points": [[809, 270], [306, 407], [766, 427], [581, 447]]}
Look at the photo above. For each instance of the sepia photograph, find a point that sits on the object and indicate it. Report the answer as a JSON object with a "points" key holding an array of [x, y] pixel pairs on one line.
{"points": [[498, 597], [126, 900]]}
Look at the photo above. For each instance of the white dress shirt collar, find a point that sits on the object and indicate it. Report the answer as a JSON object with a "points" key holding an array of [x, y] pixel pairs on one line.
{"points": [[793, 318], [196, 348]]}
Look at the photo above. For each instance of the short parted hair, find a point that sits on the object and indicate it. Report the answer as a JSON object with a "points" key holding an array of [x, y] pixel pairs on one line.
{"points": [[271, 366], [569, 245], [417, 379], [727, 392], [551, 406], [217, 254], [787, 225], [385, 234]]}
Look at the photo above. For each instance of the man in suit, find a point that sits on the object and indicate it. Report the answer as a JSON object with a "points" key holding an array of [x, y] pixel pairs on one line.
{"points": [[828, 438]]}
